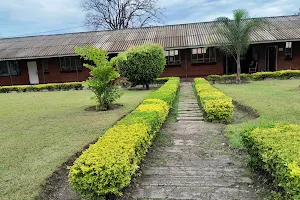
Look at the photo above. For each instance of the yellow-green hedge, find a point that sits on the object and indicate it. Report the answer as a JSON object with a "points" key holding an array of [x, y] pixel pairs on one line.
{"points": [[40, 87], [216, 104], [276, 150], [258, 76], [283, 74], [107, 166]]}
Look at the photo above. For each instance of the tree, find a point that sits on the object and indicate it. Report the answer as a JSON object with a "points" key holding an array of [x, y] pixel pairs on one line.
{"points": [[102, 78], [236, 34], [120, 14], [142, 64]]}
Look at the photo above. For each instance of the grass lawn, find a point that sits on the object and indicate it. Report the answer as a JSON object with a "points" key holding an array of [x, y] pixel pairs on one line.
{"points": [[275, 101], [41, 130]]}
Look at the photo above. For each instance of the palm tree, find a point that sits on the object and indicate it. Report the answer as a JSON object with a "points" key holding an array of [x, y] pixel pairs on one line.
{"points": [[236, 35]]}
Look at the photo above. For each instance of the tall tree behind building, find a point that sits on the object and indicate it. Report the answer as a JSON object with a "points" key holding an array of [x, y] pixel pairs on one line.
{"points": [[120, 14]]}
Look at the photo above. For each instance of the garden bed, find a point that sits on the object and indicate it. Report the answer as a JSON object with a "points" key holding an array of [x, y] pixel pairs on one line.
{"points": [[42, 87], [40, 131], [275, 150], [216, 105], [259, 76], [107, 167]]}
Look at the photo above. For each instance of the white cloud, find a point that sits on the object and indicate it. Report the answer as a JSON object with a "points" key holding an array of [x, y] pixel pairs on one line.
{"points": [[19, 17], [207, 10]]}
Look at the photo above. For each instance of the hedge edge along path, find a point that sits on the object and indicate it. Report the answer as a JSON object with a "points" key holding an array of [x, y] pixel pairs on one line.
{"points": [[216, 104], [55, 86], [107, 166], [41, 87], [275, 149], [258, 76]]}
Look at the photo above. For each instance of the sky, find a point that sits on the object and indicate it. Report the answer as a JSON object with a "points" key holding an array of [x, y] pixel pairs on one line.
{"points": [[40, 17]]}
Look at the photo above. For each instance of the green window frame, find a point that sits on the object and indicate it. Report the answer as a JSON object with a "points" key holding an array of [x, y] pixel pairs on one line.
{"points": [[173, 57], [9, 68], [204, 55], [70, 64]]}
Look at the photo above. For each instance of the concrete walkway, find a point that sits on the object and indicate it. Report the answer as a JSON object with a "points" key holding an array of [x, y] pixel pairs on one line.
{"points": [[199, 164]]}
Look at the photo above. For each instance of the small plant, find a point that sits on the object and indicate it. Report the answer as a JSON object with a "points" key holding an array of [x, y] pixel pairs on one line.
{"points": [[103, 76], [141, 64]]}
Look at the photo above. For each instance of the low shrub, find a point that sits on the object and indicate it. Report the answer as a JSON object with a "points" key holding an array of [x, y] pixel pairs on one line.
{"points": [[258, 76], [216, 104], [141, 64], [284, 74], [41, 87], [229, 78], [107, 166], [168, 92], [275, 149]]}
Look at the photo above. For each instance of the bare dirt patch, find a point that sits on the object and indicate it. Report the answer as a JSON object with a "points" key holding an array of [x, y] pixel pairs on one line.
{"points": [[57, 186], [243, 113], [112, 107]]}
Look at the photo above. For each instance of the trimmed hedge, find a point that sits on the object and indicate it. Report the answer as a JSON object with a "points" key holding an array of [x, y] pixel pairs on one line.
{"points": [[276, 150], [142, 64], [41, 87], [216, 104], [284, 74], [259, 76], [107, 166], [229, 78]]}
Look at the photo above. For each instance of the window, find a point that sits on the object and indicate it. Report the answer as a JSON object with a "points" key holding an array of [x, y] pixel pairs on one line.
{"points": [[69, 64], [288, 50], [204, 55], [8, 68], [172, 57], [45, 66]]}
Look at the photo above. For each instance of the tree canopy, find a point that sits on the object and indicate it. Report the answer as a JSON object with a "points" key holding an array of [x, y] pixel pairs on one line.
{"points": [[120, 14], [236, 35]]}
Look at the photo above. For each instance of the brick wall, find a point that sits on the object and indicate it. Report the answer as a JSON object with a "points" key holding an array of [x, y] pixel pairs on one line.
{"points": [[17, 80], [282, 63], [289, 64], [54, 75], [193, 70], [186, 67]]}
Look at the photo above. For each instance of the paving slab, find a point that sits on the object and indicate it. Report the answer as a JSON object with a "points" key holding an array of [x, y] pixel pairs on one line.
{"points": [[198, 165]]}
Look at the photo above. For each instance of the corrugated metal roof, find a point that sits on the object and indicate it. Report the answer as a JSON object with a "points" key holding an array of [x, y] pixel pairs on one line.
{"points": [[170, 37]]}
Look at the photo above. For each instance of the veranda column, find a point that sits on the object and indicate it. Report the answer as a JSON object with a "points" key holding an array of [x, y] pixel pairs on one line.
{"points": [[8, 68]]}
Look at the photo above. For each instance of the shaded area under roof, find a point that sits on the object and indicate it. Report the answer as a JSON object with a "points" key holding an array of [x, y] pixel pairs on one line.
{"points": [[281, 28]]}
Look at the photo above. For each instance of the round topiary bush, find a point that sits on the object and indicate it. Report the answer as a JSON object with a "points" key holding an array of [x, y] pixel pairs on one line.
{"points": [[142, 64]]}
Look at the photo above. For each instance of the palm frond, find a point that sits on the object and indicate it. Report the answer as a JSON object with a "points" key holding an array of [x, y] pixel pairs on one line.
{"points": [[236, 33]]}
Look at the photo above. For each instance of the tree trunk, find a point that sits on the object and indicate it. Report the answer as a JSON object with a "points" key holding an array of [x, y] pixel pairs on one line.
{"points": [[147, 86], [238, 69]]}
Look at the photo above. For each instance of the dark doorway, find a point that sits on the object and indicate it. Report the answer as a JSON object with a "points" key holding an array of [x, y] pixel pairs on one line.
{"points": [[248, 60], [229, 65], [271, 58]]}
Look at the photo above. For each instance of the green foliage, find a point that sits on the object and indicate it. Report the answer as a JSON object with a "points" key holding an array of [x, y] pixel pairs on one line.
{"points": [[284, 74], [236, 35], [141, 64], [259, 76], [45, 129], [107, 166], [41, 87], [275, 149], [216, 104], [103, 76], [229, 78], [168, 92]]}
